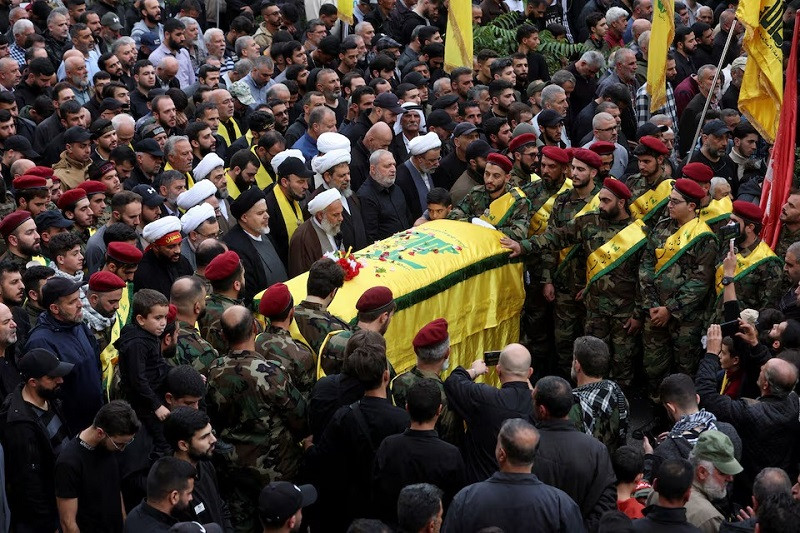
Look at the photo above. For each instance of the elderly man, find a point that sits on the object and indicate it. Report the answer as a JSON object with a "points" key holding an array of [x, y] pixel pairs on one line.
{"points": [[624, 72], [384, 206], [162, 263], [318, 235], [198, 224], [414, 177], [377, 137], [77, 77], [605, 128], [283, 202]]}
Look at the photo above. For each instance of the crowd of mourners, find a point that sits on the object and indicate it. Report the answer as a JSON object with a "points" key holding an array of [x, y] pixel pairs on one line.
{"points": [[166, 168]]}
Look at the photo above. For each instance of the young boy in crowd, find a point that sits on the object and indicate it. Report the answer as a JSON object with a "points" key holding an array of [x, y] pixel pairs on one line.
{"points": [[628, 464], [439, 205], [142, 367], [65, 249]]}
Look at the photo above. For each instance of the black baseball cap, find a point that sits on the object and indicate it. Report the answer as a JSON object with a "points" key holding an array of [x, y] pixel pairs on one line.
{"points": [[20, 144], [388, 101], [441, 118], [149, 146], [416, 79], [292, 165], [150, 197], [52, 218], [56, 287], [110, 104], [716, 127], [550, 117], [77, 134], [478, 148], [40, 362], [281, 499], [445, 101]]}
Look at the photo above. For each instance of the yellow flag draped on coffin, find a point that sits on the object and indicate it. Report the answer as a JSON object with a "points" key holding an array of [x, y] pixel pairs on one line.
{"points": [[661, 36], [761, 95], [458, 45]]}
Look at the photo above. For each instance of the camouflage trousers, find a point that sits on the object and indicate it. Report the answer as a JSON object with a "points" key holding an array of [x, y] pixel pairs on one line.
{"points": [[569, 324], [625, 349], [672, 348]]}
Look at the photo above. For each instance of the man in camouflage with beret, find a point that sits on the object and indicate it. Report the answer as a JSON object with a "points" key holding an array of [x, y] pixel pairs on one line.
{"points": [[188, 295], [315, 323], [524, 152], [19, 232], [605, 150], [276, 343], [432, 346], [226, 275], [261, 413], [651, 186]]}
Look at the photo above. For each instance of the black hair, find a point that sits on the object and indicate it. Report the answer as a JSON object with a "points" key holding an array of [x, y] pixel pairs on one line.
{"points": [[673, 479], [423, 400], [678, 389], [182, 423], [439, 196], [145, 299], [555, 394], [184, 381], [417, 505], [628, 463], [62, 243], [119, 232], [168, 474], [33, 277], [324, 276], [117, 418], [206, 252]]}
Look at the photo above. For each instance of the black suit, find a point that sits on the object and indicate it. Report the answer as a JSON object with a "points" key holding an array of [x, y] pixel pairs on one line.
{"points": [[399, 150], [353, 233], [359, 165], [158, 274], [256, 278], [407, 184], [277, 226]]}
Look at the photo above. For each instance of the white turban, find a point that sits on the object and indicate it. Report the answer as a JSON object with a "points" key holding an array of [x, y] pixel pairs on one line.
{"points": [[322, 163], [282, 156], [194, 196], [422, 143], [323, 200], [196, 216], [206, 165], [330, 141], [158, 228]]}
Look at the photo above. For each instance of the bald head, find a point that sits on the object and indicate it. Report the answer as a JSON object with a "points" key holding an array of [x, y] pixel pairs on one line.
{"points": [[780, 377], [188, 294], [73, 62], [378, 137], [514, 363], [238, 327], [517, 441], [640, 26]]}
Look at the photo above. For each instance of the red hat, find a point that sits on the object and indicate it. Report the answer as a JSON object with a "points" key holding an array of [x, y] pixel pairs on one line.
{"points": [[431, 334], [92, 187], [602, 147], [55, 178], [12, 221], [275, 301], [559, 155], [123, 252], [222, 266], [42, 172], [26, 182], [520, 141], [70, 198], [656, 145], [699, 172], [690, 190], [501, 161], [374, 299], [617, 188], [104, 281], [172, 313], [588, 157], [748, 211]]}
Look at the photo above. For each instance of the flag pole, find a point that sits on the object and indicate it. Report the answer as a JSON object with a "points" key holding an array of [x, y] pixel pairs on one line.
{"points": [[711, 91]]}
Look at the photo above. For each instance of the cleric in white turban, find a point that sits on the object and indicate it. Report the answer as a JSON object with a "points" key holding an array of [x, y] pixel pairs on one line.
{"points": [[414, 177], [282, 156], [422, 143], [320, 234], [197, 194], [206, 165], [322, 163], [198, 223], [163, 231], [330, 140], [162, 262]]}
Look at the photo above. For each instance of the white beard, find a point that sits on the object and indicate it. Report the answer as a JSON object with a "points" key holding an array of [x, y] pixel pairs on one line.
{"points": [[329, 228]]}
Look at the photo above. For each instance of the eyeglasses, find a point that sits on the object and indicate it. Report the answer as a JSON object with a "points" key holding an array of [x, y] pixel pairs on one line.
{"points": [[122, 446], [677, 201], [612, 128]]}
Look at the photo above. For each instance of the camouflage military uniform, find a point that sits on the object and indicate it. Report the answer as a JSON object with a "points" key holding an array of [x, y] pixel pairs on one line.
{"points": [[258, 410], [315, 323], [613, 298], [520, 179], [210, 327], [105, 216], [784, 241], [192, 349], [476, 203], [14, 258], [638, 185], [206, 283], [450, 425], [683, 289], [277, 344], [333, 353]]}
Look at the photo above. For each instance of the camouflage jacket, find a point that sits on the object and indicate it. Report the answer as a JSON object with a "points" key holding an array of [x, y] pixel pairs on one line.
{"points": [[315, 323], [571, 275], [333, 353], [105, 216], [638, 185], [684, 286], [277, 344], [192, 349], [785, 240], [520, 179], [616, 292], [260, 412], [450, 425], [17, 260], [476, 203], [210, 327]]}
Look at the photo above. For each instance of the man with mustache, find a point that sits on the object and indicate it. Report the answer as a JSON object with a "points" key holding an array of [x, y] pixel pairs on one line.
{"points": [[162, 263]]}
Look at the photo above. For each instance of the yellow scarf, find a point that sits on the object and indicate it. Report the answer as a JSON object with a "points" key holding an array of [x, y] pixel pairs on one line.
{"points": [[109, 356], [613, 253], [760, 253], [222, 131], [292, 216], [717, 210], [651, 202], [542, 216], [263, 179], [233, 190], [592, 205], [189, 180], [680, 241], [501, 208]]}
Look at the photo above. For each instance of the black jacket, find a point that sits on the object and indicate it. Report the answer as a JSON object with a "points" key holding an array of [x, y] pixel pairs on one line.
{"points": [[450, 169], [30, 462], [137, 178], [359, 128], [328, 395], [359, 165], [256, 278], [659, 519], [277, 226], [26, 94], [296, 130], [484, 408], [147, 518], [579, 465], [142, 368], [158, 274], [384, 210], [206, 492]]}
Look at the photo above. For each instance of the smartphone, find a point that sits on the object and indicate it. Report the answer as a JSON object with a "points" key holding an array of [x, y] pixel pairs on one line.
{"points": [[491, 358], [729, 329]]}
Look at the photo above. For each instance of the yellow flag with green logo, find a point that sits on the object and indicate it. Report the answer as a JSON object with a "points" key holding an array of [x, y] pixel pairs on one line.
{"points": [[345, 8], [761, 96], [458, 44], [661, 35]]}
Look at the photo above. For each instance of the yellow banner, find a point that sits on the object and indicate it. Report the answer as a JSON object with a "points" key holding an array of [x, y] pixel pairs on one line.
{"points": [[661, 35], [501, 209], [109, 355], [716, 210], [444, 268], [345, 8], [680, 241], [458, 45], [542, 216], [761, 253], [291, 213], [644, 204], [761, 95], [613, 253], [591, 205]]}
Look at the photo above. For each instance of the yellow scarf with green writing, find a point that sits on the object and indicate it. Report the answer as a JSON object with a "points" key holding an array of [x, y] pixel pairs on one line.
{"points": [[109, 355], [292, 216], [744, 265], [679, 242], [717, 210], [542, 216], [614, 252], [566, 253], [651, 202], [502, 208]]}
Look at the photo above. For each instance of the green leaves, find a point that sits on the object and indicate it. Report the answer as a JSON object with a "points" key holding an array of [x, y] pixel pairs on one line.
{"points": [[499, 35]]}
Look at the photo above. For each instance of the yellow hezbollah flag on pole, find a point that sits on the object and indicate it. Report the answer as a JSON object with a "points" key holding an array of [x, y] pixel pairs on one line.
{"points": [[458, 45], [345, 8], [761, 96], [661, 35]]}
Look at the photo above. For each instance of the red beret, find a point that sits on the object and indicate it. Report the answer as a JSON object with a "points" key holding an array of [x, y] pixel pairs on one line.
{"points": [[654, 144], [690, 190], [12, 221], [104, 281], [70, 198], [172, 313], [374, 299], [617, 188], [431, 334], [699, 172], [747, 211], [42, 172], [123, 252], [29, 182], [559, 155], [92, 187], [521, 140], [602, 147], [275, 301], [588, 157], [501, 161], [222, 266]]}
